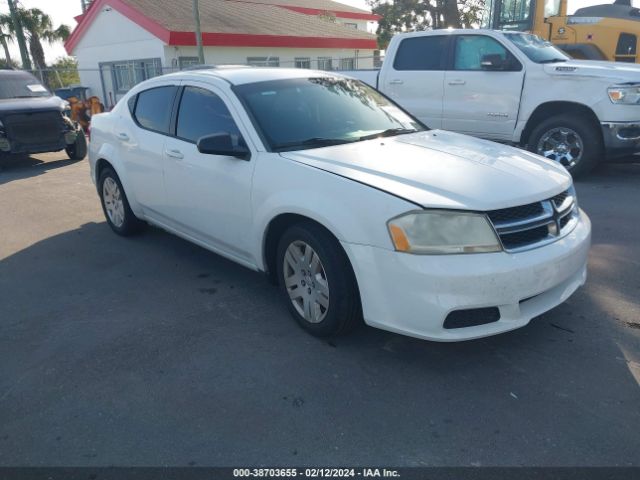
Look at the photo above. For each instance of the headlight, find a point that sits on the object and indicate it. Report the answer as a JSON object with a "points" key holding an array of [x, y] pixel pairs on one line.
{"points": [[441, 232], [627, 94]]}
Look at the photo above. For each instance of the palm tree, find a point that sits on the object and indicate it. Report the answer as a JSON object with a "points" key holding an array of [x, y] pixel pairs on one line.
{"points": [[5, 25], [38, 26]]}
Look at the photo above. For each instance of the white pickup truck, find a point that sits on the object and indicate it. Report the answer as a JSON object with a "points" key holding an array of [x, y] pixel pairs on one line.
{"points": [[515, 88]]}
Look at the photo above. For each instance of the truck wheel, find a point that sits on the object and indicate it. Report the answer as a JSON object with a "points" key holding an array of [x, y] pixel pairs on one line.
{"points": [[78, 149], [115, 205], [317, 282], [569, 140]]}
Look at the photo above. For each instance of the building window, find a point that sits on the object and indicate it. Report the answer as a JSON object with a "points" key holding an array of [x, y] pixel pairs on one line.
{"points": [[325, 63], [351, 25], [263, 61], [127, 74], [124, 76], [186, 62], [347, 64], [303, 62]]}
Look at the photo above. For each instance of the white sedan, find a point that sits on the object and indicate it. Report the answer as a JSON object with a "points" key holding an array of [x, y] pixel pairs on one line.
{"points": [[353, 207]]}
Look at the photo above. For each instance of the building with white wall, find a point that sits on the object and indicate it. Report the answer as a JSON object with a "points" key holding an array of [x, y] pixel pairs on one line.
{"points": [[119, 43]]}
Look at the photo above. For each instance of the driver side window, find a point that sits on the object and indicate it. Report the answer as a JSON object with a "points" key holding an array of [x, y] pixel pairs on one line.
{"points": [[470, 49], [202, 113]]}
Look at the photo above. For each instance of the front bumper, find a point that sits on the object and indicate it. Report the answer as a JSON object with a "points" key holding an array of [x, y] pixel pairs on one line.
{"points": [[621, 138], [413, 294]]}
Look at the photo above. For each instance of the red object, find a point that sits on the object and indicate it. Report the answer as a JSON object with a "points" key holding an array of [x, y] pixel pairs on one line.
{"points": [[221, 39]]}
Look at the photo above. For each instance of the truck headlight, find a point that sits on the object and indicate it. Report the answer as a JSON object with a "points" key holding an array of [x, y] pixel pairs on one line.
{"points": [[439, 232], [624, 94]]}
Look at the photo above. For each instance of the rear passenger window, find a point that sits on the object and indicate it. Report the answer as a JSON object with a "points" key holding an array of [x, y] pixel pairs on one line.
{"points": [[421, 53], [153, 108], [203, 113]]}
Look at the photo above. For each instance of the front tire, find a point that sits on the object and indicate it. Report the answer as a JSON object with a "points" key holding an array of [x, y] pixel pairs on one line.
{"points": [[78, 149], [317, 282], [572, 141], [115, 205]]}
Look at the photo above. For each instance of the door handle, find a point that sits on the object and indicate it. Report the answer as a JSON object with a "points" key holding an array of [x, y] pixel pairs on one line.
{"points": [[174, 154], [123, 136], [457, 82], [396, 82]]}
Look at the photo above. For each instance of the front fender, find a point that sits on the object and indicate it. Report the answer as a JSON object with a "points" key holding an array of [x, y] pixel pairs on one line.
{"points": [[351, 211]]}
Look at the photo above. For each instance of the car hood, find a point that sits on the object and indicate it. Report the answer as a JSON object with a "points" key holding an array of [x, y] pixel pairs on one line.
{"points": [[615, 71], [438, 169], [12, 105]]}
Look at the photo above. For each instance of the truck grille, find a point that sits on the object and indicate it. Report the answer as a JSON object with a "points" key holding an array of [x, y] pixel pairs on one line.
{"points": [[32, 129], [536, 224]]}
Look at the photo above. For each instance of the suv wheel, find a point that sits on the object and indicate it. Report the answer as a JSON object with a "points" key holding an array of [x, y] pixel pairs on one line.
{"points": [[568, 140], [78, 149], [317, 282], [115, 205]]}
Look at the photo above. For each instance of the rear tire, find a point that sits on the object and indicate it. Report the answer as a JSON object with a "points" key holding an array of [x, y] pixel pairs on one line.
{"points": [[574, 142], [78, 149], [115, 205], [317, 284]]}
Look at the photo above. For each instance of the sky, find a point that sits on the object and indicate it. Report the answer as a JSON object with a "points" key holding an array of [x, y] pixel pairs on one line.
{"points": [[63, 11]]}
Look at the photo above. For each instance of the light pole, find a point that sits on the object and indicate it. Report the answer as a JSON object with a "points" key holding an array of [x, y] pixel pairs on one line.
{"points": [[22, 44], [196, 17]]}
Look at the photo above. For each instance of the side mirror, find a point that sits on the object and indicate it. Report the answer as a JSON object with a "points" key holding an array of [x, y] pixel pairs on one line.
{"points": [[222, 144], [493, 62]]}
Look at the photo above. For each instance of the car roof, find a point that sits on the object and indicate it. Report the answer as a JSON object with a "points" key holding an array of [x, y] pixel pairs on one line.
{"points": [[239, 75]]}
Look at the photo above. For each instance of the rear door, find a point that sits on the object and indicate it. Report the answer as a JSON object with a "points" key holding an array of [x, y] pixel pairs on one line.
{"points": [[481, 100], [141, 136], [415, 78]]}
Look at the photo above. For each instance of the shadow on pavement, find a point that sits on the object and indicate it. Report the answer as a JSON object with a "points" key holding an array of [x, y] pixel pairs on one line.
{"points": [[153, 351], [21, 167]]}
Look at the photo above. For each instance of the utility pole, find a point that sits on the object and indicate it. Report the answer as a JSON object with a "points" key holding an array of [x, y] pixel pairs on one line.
{"points": [[196, 17], [17, 25]]}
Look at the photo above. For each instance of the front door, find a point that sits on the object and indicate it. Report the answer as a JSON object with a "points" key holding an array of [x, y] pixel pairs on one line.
{"points": [[482, 89], [208, 196]]}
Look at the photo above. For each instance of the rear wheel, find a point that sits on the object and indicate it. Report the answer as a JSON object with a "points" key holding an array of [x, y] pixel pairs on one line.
{"points": [[115, 205], [317, 282], [571, 141], [78, 149]]}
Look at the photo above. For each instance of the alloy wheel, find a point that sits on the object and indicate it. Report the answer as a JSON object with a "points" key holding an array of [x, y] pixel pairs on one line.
{"points": [[562, 145], [306, 282], [113, 202]]}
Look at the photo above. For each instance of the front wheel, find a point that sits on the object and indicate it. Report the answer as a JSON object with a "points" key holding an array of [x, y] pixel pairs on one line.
{"points": [[78, 149], [317, 282], [571, 141]]}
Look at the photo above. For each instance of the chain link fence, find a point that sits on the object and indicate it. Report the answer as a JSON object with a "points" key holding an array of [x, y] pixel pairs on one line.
{"points": [[112, 80]]}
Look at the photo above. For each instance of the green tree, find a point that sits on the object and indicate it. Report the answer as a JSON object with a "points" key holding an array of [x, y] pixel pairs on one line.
{"points": [[5, 37], [407, 15], [65, 73], [38, 27]]}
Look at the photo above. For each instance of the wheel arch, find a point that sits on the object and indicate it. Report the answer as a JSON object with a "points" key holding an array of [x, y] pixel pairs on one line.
{"points": [[274, 231], [550, 109]]}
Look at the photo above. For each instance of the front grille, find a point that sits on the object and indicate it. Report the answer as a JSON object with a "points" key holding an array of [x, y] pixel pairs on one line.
{"points": [[515, 213], [535, 224], [37, 128]]}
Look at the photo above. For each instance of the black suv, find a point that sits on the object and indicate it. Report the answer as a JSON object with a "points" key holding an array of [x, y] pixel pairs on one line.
{"points": [[32, 120]]}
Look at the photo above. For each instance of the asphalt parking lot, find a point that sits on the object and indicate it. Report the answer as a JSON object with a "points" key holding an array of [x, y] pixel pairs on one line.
{"points": [[152, 351]]}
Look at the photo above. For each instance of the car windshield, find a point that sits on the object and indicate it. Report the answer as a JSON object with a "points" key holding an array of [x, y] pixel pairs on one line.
{"points": [[303, 113], [538, 50], [19, 86]]}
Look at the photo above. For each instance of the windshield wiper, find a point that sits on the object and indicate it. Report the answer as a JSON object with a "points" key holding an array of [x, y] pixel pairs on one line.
{"points": [[553, 60], [389, 133], [312, 142]]}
